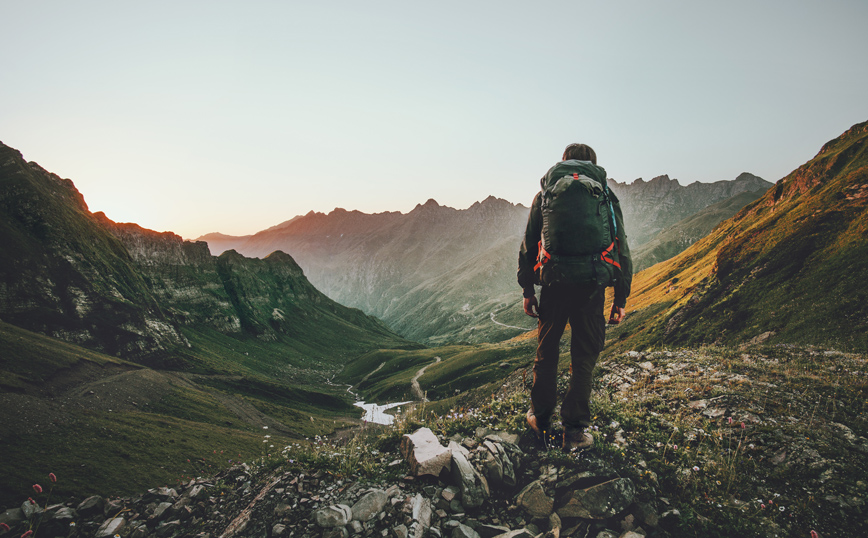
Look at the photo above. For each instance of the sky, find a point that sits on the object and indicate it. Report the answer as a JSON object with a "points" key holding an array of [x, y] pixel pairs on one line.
{"points": [[214, 116]]}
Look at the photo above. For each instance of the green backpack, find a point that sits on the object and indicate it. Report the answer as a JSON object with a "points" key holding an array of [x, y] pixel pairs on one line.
{"points": [[578, 227]]}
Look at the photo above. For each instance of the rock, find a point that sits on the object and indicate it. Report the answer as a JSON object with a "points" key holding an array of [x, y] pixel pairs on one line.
{"points": [[647, 365], [422, 511], [424, 453], [278, 529], [632, 534], [198, 493], [400, 531], [463, 531], [371, 504], [110, 527], [91, 506], [714, 412], [490, 531], [474, 488], [356, 527], [645, 514], [140, 532], [534, 501], [449, 493], [161, 512], [519, 533], [12, 516], [336, 532], [169, 528], [333, 516], [30, 510], [598, 502], [606, 533], [498, 467]]}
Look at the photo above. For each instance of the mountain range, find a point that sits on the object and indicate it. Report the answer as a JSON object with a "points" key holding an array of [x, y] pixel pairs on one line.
{"points": [[442, 275]]}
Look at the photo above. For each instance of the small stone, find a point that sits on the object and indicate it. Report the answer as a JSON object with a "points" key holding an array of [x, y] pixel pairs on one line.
{"points": [[519, 533], [490, 531], [91, 506], [647, 365], [400, 531], [278, 529], [333, 516], [449, 493], [598, 502], [534, 501], [161, 511], [463, 531], [110, 527], [336, 532], [369, 505]]}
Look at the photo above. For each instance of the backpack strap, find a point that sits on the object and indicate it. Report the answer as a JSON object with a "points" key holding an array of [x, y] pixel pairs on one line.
{"points": [[606, 256]]}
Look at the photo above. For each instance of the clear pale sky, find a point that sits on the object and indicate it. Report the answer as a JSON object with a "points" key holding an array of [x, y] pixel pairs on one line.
{"points": [[206, 116]]}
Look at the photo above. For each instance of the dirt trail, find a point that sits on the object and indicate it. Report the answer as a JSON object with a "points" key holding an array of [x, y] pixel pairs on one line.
{"points": [[507, 326], [414, 383], [371, 373]]}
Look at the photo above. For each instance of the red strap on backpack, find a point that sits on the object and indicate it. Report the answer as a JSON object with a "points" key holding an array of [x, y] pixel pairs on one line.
{"points": [[544, 257], [606, 256]]}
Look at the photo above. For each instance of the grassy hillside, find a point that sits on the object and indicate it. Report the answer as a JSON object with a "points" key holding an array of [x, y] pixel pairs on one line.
{"points": [[789, 267], [110, 426], [684, 233]]}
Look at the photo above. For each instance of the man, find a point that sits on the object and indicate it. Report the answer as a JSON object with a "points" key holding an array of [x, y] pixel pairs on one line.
{"points": [[574, 246]]}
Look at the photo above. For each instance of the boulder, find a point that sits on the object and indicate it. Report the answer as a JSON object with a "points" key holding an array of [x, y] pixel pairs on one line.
{"points": [[534, 501], [490, 531], [518, 533], [333, 516], [371, 504], [600, 501], [422, 511], [424, 453], [12, 516]]}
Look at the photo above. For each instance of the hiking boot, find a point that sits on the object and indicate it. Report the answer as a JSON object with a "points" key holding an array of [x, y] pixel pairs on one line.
{"points": [[539, 427], [577, 440]]}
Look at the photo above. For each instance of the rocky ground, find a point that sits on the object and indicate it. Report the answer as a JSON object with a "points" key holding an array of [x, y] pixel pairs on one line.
{"points": [[709, 442]]}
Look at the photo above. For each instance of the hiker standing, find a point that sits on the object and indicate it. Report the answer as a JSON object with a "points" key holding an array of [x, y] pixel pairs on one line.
{"points": [[574, 247]]}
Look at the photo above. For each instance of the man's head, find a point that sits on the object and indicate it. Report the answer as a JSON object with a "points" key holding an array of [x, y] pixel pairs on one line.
{"points": [[580, 152]]}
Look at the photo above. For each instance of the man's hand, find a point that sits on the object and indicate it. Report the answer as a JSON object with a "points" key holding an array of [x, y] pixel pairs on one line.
{"points": [[531, 308], [616, 316]]}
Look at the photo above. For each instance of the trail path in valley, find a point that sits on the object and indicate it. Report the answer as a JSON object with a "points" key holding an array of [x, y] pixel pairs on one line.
{"points": [[508, 326], [414, 383]]}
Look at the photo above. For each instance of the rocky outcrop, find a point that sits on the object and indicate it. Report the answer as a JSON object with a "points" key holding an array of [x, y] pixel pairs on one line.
{"points": [[651, 206]]}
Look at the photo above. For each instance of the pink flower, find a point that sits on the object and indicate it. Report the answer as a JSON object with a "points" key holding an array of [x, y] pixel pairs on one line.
{"points": [[52, 477], [729, 419], [743, 426], [37, 488], [4, 526], [763, 506], [31, 500], [813, 534], [26, 534]]}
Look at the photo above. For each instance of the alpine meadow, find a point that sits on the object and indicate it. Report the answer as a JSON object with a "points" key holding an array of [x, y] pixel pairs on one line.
{"points": [[156, 386]]}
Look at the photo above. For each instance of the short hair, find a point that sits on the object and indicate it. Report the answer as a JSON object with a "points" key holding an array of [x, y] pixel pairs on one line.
{"points": [[580, 152]]}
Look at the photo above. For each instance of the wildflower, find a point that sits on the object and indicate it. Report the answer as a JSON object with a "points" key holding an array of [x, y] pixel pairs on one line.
{"points": [[781, 508], [26, 534], [729, 420], [675, 447], [695, 469], [763, 506], [743, 426], [52, 477], [265, 427], [814, 534], [37, 488], [31, 500], [4, 527]]}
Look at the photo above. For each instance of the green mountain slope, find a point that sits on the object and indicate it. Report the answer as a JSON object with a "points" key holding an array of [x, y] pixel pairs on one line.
{"points": [[127, 351], [789, 267], [684, 233]]}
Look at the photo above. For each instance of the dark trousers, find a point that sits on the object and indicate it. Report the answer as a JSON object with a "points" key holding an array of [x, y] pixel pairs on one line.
{"points": [[582, 306]]}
